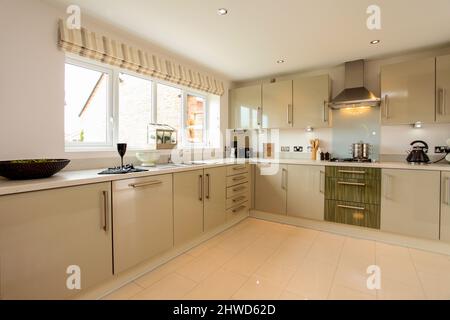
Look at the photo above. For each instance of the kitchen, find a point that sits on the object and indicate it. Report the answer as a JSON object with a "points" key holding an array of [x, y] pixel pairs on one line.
{"points": [[144, 166]]}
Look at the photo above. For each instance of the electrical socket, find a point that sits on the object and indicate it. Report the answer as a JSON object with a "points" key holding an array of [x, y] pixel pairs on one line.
{"points": [[298, 149], [441, 149], [285, 149]]}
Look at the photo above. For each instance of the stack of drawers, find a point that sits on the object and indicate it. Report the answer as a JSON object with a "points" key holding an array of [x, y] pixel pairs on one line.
{"points": [[353, 196], [238, 190]]}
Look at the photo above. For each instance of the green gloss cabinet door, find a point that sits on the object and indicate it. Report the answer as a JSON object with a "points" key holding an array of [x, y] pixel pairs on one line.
{"points": [[43, 233]]}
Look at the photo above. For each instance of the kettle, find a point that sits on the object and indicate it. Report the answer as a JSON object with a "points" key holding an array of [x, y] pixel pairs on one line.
{"points": [[418, 155]]}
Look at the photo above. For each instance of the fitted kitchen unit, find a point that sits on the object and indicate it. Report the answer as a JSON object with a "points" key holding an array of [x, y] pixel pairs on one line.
{"points": [[121, 224]]}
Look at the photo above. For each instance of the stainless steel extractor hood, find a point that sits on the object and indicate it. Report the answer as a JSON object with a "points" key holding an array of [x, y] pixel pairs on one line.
{"points": [[355, 94]]}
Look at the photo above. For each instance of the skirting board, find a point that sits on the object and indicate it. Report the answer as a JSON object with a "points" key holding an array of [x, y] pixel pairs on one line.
{"points": [[357, 232], [126, 277]]}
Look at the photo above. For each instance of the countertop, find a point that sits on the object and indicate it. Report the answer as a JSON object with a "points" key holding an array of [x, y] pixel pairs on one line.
{"points": [[74, 178]]}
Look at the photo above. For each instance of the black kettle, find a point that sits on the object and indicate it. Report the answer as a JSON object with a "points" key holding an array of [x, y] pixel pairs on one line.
{"points": [[418, 155]]}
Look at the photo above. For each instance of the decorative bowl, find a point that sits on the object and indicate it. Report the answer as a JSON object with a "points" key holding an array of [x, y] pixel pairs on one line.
{"points": [[31, 169], [148, 159]]}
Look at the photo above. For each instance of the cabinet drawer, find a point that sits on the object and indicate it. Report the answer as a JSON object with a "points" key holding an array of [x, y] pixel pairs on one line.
{"points": [[353, 190], [353, 173], [238, 211], [237, 169], [238, 199], [238, 179], [357, 214], [238, 189]]}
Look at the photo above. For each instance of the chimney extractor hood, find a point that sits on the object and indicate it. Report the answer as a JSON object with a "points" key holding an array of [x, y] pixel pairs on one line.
{"points": [[355, 94]]}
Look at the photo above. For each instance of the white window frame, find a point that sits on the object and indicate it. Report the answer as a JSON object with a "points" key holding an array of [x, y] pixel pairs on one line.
{"points": [[80, 146], [113, 107]]}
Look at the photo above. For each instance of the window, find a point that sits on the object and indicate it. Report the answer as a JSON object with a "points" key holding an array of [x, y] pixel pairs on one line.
{"points": [[170, 107], [195, 119], [86, 105], [135, 110], [106, 105]]}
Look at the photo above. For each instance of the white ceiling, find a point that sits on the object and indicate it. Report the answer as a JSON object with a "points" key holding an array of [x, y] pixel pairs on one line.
{"points": [[247, 42]]}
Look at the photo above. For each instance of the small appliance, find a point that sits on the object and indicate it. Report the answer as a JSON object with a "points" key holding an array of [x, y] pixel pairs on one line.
{"points": [[361, 151], [418, 154]]}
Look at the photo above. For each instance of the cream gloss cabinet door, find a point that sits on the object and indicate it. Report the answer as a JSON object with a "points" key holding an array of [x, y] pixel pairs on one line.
{"points": [[271, 188], [44, 233], [277, 105], [445, 207], [408, 92], [306, 191], [443, 89], [245, 107], [311, 97], [410, 202], [188, 188], [215, 197], [143, 219]]}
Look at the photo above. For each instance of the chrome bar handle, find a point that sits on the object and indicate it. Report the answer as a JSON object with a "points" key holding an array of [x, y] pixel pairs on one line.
{"points": [[208, 177], [322, 182], [239, 209], [239, 199], [284, 179], [239, 178], [325, 111], [351, 207], [447, 191], [386, 106], [239, 168], [200, 187], [351, 171], [145, 184], [356, 184], [105, 218], [239, 188], [289, 120], [444, 107], [259, 116]]}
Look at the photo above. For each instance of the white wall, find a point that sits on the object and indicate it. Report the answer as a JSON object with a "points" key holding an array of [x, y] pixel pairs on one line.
{"points": [[32, 79], [395, 140]]}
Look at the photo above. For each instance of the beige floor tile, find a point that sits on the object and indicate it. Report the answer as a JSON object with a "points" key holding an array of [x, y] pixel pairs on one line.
{"points": [[258, 288], [395, 290], [312, 280], [326, 248], [272, 240], [277, 273], [221, 285], [359, 250], [125, 292], [154, 276], [288, 256], [353, 276], [171, 287], [435, 285], [343, 293], [430, 262], [398, 269], [287, 295], [249, 260], [383, 249]]}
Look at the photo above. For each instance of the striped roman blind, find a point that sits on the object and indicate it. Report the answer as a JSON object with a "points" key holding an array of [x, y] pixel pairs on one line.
{"points": [[98, 47]]}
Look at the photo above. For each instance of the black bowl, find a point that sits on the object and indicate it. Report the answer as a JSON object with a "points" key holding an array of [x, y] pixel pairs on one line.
{"points": [[31, 169]]}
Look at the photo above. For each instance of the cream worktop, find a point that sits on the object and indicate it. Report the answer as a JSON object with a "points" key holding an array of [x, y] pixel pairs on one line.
{"points": [[74, 178]]}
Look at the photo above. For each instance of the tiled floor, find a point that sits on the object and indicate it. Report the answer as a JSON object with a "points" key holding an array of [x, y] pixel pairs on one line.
{"points": [[263, 260]]}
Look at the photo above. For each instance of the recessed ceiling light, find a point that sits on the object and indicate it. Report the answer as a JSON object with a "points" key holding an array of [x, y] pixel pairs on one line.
{"points": [[222, 11], [375, 41], [281, 61]]}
